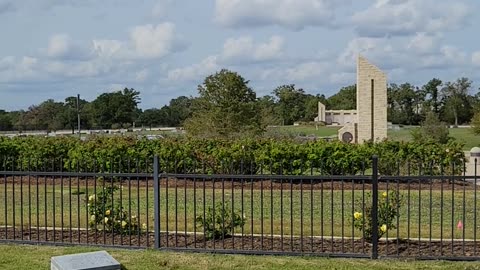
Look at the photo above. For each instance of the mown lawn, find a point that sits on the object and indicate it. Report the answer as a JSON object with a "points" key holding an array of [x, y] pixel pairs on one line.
{"points": [[429, 214], [38, 257], [321, 131], [463, 135]]}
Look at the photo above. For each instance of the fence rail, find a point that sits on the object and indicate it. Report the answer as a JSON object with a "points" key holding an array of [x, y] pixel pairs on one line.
{"points": [[144, 205]]}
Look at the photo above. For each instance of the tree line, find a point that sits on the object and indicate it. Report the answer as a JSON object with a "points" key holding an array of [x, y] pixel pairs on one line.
{"points": [[226, 103]]}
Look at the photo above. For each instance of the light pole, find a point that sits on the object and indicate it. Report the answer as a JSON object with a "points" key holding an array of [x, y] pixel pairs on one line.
{"points": [[78, 115]]}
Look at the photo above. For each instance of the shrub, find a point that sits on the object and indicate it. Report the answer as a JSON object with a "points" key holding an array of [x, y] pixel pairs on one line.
{"points": [[107, 214], [388, 210], [475, 123], [219, 221], [432, 129]]}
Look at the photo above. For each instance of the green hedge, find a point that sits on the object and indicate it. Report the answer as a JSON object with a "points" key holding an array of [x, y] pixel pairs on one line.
{"points": [[183, 155]]}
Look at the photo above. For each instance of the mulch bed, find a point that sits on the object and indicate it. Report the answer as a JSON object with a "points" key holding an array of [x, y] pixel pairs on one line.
{"points": [[307, 245], [246, 184]]}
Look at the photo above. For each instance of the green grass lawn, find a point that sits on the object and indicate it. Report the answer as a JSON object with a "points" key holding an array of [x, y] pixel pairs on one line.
{"points": [[330, 215], [463, 135], [321, 131], [38, 257]]}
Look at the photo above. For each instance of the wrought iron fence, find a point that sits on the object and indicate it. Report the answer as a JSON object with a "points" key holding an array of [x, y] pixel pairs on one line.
{"points": [[416, 211]]}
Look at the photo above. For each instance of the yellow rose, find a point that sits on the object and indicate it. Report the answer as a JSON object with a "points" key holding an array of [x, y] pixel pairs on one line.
{"points": [[124, 223], [357, 215], [92, 217], [107, 212], [106, 220], [383, 228], [144, 226], [91, 198], [384, 194]]}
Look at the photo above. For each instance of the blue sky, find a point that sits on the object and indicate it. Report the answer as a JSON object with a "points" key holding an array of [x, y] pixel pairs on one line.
{"points": [[165, 48]]}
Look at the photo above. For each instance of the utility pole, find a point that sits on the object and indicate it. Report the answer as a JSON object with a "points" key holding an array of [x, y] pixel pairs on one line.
{"points": [[78, 115]]}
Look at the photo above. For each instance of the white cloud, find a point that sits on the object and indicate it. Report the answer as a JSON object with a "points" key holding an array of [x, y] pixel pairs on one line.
{"points": [[293, 14], [423, 43], [244, 49], [161, 7], [406, 17], [61, 46], [195, 71], [58, 45], [476, 58], [400, 52], [14, 69], [108, 47], [145, 42], [305, 71], [153, 41], [141, 75]]}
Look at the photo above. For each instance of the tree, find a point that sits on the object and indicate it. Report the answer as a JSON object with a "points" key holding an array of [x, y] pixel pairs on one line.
{"points": [[455, 98], [290, 103], [432, 95], [432, 129], [117, 108], [345, 99], [5, 121], [70, 117], [226, 107], [155, 117], [267, 107], [180, 110], [475, 123]]}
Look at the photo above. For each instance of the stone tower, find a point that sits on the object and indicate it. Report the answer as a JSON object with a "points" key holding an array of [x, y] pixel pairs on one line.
{"points": [[371, 102]]}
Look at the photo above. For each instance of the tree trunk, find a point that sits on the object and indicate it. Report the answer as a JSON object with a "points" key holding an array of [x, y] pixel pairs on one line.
{"points": [[456, 117]]}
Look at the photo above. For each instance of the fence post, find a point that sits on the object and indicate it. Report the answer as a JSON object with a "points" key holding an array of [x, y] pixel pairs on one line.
{"points": [[375, 207], [156, 202]]}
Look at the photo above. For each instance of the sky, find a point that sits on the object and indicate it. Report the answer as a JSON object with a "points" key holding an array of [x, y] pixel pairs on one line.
{"points": [[166, 48]]}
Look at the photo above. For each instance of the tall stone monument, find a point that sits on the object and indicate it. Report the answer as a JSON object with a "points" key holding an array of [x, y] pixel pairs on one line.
{"points": [[371, 102], [371, 122]]}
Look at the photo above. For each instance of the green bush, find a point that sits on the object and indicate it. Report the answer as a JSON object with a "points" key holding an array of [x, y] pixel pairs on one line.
{"points": [[107, 214], [388, 211], [219, 221], [246, 155]]}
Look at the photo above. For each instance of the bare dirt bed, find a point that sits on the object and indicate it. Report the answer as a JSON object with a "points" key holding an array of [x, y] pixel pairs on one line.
{"points": [[238, 184], [308, 245]]}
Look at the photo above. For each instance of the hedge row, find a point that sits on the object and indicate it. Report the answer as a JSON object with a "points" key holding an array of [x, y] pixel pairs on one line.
{"points": [[183, 155]]}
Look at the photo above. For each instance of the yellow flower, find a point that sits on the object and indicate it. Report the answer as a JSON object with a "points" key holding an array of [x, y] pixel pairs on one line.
{"points": [[91, 198], [92, 217], [384, 194], [106, 219], [144, 226], [107, 212], [124, 223], [357, 215], [383, 228]]}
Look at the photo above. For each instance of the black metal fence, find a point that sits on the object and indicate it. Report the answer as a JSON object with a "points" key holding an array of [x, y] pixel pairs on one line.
{"points": [[245, 209]]}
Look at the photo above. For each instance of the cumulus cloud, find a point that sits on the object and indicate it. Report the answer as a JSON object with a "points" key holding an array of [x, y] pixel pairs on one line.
{"points": [[476, 58], [195, 71], [145, 42], [292, 14], [395, 53], [406, 17], [61, 46], [141, 75], [244, 49], [16, 69], [423, 43]]}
